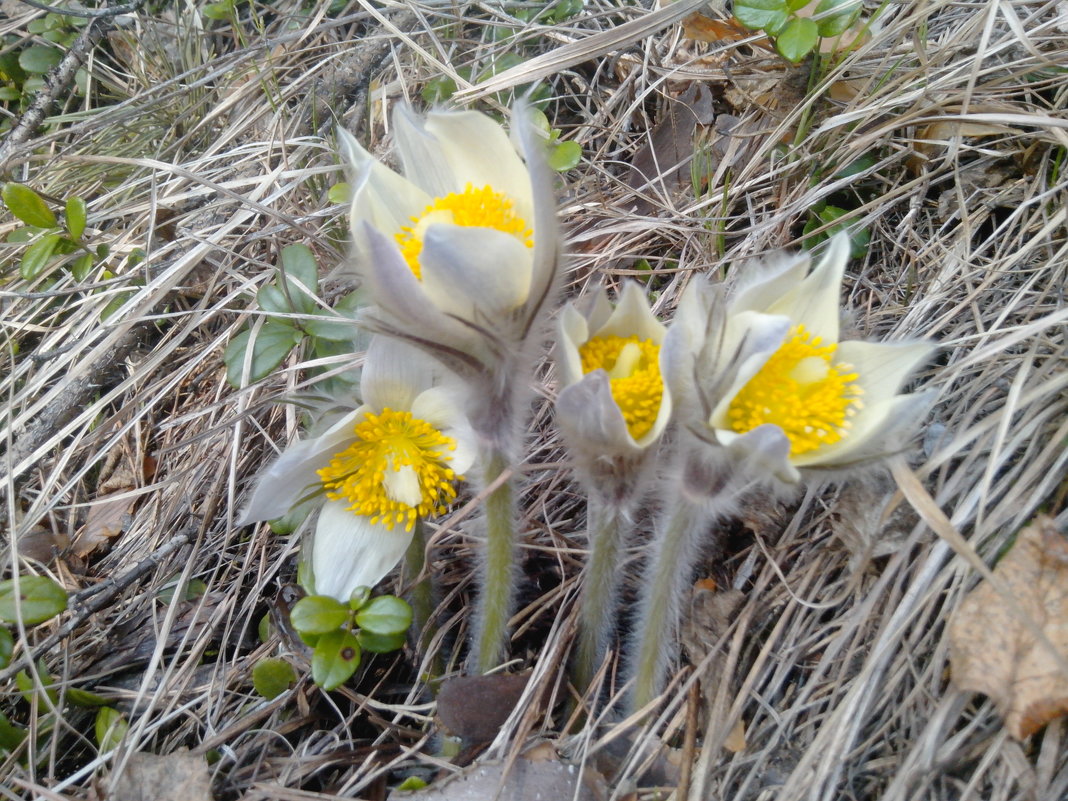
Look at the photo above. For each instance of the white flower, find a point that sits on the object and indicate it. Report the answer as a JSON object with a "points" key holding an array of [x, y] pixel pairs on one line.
{"points": [[464, 244], [613, 399], [780, 364], [379, 469]]}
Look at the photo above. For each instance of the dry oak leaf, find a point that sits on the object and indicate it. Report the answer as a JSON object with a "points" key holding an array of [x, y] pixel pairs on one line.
{"points": [[992, 652]]}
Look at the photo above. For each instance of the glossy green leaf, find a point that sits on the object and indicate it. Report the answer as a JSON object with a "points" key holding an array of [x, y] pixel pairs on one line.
{"points": [[110, 728], [27, 205], [412, 783], [844, 14], [7, 647], [565, 156], [272, 343], [318, 614], [439, 89], [28, 687], [380, 643], [340, 193], [298, 262], [335, 659], [272, 299], [359, 598], [385, 614], [264, 627], [768, 15], [11, 736], [77, 214], [9, 93], [272, 677], [797, 39], [193, 589], [39, 59], [39, 598], [82, 266], [330, 326], [85, 698]]}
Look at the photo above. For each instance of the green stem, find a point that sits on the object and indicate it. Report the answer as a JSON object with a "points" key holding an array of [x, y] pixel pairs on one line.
{"points": [[606, 524], [497, 566], [667, 577], [421, 594]]}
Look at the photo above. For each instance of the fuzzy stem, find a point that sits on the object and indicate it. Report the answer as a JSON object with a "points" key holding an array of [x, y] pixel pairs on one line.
{"points": [[421, 593], [606, 524], [666, 578], [497, 565]]}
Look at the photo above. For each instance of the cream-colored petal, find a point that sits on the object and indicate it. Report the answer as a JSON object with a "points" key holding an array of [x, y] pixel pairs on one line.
{"points": [[882, 367], [760, 282], [476, 274], [596, 308], [394, 373], [816, 301], [590, 419], [402, 485], [571, 334], [663, 417], [348, 551], [762, 452], [442, 408], [633, 317], [750, 340], [379, 196], [293, 474]]}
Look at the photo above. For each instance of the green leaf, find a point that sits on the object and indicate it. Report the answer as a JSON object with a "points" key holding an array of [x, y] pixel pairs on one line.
{"points": [[796, 5], [40, 599], [329, 326], [340, 193], [318, 614], [797, 39], [272, 677], [380, 643], [110, 728], [263, 628], [28, 687], [9, 93], [76, 217], [273, 342], [299, 262], [769, 15], [385, 614], [438, 90], [11, 736], [412, 783], [194, 588], [272, 299], [39, 59], [27, 205], [85, 698], [219, 11], [335, 659], [359, 598], [565, 156], [82, 266], [7, 647], [845, 14]]}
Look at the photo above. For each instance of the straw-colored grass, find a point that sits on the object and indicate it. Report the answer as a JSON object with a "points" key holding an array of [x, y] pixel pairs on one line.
{"points": [[208, 147]]}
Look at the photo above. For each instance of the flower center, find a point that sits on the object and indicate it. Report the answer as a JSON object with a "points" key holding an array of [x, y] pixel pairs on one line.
{"points": [[633, 369], [799, 390], [396, 471], [473, 208]]}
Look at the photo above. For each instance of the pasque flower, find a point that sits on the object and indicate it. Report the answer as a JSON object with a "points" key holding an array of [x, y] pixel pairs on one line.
{"points": [[611, 408], [377, 470], [765, 394], [460, 253]]}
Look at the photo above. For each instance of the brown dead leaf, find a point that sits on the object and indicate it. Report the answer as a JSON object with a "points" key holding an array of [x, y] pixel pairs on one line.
{"points": [[700, 28], [178, 776], [994, 653], [124, 469], [475, 707]]}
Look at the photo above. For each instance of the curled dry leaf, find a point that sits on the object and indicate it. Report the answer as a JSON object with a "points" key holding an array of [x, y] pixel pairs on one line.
{"points": [[475, 707], [993, 652]]}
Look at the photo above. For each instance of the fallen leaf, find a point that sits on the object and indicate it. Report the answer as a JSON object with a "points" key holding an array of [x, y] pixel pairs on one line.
{"points": [[178, 776], [109, 514], [475, 707], [992, 652]]}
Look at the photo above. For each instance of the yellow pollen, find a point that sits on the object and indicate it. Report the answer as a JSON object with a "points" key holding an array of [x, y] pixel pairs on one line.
{"points": [[472, 208], [802, 392], [633, 369], [394, 455]]}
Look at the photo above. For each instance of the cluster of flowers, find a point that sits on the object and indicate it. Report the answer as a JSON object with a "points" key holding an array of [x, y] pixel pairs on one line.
{"points": [[460, 255]]}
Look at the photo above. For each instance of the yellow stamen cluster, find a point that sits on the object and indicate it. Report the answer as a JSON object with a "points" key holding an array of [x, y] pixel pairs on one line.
{"points": [[392, 442], [802, 392], [633, 367], [474, 208]]}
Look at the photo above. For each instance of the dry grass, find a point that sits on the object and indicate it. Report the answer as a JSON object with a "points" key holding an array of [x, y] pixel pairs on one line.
{"points": [[217, 152]]}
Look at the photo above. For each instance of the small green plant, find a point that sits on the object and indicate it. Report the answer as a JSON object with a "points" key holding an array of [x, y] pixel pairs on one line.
{"points": [[23, 66], [794, 35], [339, 634], [51, 242], [293, 316]]}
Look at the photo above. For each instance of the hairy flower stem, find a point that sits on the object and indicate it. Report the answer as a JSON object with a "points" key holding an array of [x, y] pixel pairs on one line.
{"points": [[607, 524], [667, 578], [421, 594], [497, 567]]}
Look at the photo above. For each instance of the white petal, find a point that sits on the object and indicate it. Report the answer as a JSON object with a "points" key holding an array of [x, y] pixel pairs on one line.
{"points": [[633, 317], [590, 418], [293, 474], [394, 373], [379, 195], [761, 282], [750, 341], [475, 273], [763, 451], [816, 301], [572, 334], [882, 367], [442, 408], [402, 485], [349, 552], [596, 308]]}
